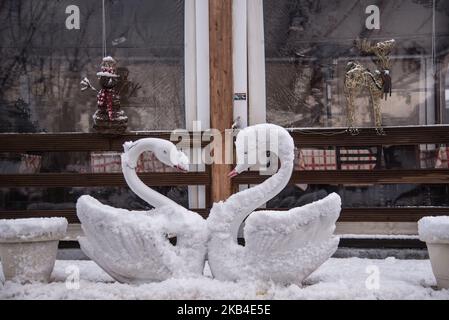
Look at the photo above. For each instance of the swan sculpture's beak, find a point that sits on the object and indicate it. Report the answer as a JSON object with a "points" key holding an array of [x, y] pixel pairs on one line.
{"points": [[180, 161], [181, 168], [233, 173]]}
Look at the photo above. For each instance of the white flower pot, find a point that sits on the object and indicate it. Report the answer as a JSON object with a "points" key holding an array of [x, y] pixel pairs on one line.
{"points": [[28, 247], [439, 258], [435, 232]]}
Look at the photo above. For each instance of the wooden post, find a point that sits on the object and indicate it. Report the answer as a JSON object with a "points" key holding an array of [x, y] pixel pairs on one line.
{"points": [[221, 87]]}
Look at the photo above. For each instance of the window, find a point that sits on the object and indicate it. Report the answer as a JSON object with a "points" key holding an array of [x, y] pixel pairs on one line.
{"points": [[42, 63], [41, 66], [308, 45]]}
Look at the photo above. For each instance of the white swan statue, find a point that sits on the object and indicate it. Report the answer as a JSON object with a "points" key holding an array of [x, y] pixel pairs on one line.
{"points": [[284, 247], [133, 246]]}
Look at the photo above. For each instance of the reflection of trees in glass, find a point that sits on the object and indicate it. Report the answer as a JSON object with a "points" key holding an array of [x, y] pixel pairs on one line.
{"points": [[42, 63], [403, 195], [38, 64], [149, 42]]}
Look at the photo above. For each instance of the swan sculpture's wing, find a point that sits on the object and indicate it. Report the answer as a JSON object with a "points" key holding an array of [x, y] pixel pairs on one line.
{"points": [[132, 246], [274, 231], [294, 242]]}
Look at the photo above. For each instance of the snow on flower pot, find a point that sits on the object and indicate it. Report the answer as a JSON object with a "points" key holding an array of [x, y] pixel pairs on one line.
{"points": [[28, 247], [435, 232]]}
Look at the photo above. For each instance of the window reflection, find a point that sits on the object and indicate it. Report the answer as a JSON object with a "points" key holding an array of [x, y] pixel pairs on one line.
{"points": [[309, 43], [65, 198], [42, 63], [392, 195]]}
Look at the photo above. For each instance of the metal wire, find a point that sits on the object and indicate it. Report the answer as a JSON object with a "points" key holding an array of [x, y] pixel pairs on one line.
{"points": [[104, 28]]}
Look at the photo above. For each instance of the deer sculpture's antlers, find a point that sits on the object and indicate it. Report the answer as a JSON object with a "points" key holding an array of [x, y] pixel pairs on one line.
{"points": [[364, 45], [380, 48]]}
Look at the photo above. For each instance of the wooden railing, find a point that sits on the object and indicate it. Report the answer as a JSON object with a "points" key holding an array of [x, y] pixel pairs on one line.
{"points": [[66, 142], [399, 136], [86, 142], [51, 180]]}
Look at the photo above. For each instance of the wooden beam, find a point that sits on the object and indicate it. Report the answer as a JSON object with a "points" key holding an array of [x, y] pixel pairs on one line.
{"points": [[68, 180], [368, 243], [410, 135], [390, 214], [381, 243], [64, 142], [221, 87], [427, 176], [61, 142]]}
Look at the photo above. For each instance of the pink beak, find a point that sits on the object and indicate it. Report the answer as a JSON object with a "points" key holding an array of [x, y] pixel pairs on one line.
{"points": [[232, 174], [180, 169]]}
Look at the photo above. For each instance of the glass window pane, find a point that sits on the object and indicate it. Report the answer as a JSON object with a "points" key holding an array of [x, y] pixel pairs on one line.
{"points": [[372, 158], [308, 45], [42, 63], [391, 195], [65, 198]]}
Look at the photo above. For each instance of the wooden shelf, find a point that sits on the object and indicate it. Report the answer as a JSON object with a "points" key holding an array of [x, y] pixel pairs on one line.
{"points": [[48, 180], [64, 142], [427, 176], [60, 142], [344, 243], [409, 135]]}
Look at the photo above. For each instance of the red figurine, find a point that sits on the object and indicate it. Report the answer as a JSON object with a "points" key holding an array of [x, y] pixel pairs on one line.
{"points": [[108, 118]]}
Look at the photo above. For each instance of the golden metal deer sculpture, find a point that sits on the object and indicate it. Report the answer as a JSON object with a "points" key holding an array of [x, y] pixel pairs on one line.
{"points": [[359, 77]]}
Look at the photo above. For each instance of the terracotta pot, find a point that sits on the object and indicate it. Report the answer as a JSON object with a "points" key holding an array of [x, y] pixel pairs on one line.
{"points": [[28, 247]]}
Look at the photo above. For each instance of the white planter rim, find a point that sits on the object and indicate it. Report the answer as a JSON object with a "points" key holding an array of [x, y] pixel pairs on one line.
{"points": [[32, 229], [434, 229]]}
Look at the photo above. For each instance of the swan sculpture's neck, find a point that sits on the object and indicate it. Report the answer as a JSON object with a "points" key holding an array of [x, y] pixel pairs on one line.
{"points": [[241, 204], [129, 163]]}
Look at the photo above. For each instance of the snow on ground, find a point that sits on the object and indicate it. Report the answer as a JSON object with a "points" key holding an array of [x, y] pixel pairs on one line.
{"points": [[336, 279]]}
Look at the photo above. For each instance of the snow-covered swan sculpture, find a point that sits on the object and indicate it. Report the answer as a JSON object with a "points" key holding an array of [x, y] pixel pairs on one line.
{"points": [[284, 247], [133, 246]]}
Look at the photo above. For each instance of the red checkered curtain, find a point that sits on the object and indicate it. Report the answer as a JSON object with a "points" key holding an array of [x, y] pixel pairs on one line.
{"points": [[442, 161], [102, 162], [30, 163], [345, 155], [314, 159], [149, 163], [428, 155]]}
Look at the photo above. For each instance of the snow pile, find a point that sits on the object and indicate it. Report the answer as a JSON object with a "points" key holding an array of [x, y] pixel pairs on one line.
{"points": [[434, 229], [352, 278], [32, 229], [132, 246], [109, 59], [106, 74]]}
